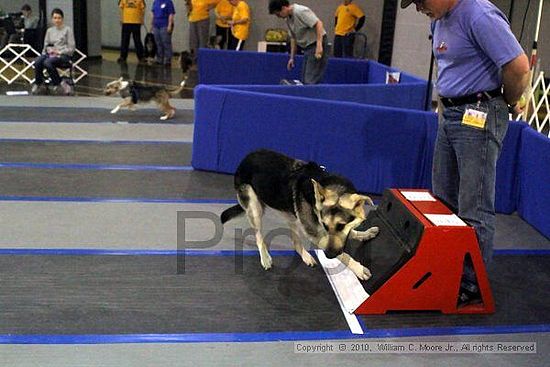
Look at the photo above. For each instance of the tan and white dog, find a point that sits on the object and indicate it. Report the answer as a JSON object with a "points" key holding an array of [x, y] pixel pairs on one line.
{"points": [[134, 93], [325, 207]]}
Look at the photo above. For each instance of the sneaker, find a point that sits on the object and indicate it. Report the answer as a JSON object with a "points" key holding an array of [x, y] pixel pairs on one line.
{"points": [[54, 89], [35, 88], [67, 89], [38, 89], [120, 60]]}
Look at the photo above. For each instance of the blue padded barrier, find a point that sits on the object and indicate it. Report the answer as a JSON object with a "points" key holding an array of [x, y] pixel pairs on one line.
{"points": [[507, 183], [534, 180], [244, 67], [375, 147], [410, 96], [377, 75]]}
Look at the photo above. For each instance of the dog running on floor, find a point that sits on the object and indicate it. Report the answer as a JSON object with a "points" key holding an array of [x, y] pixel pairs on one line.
{"points": [[135, 93], [325, 207]]}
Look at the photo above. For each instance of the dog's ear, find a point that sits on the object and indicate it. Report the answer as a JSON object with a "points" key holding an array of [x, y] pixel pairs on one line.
{"points": [[362, 200], [355, 203], [120, 79], [319, 194], [323, 196]]}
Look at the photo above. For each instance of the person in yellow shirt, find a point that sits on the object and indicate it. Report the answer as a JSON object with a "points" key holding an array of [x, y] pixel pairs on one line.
{"points": [[224, 13], [349, 18], [240, 24], [131, 18], [199, 23]]}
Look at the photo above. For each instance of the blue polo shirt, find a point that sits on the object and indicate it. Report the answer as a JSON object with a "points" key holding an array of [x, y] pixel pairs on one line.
{"points": [[471, 44], [161, 12]]}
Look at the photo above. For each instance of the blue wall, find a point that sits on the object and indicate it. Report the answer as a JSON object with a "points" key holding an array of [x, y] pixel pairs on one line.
{"points": [[376, 147]]}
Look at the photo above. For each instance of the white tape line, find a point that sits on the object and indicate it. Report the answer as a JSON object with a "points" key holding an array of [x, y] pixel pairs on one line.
{"points": [[347, 288]]}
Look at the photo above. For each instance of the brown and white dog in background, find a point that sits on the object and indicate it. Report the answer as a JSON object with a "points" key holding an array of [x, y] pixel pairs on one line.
{"points": [[134, 93]]}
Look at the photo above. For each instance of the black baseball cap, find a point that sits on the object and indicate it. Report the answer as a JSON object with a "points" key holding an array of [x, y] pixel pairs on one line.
{"points": [[405, 3]]}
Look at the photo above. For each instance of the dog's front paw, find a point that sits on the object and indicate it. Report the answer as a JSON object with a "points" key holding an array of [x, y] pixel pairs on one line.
{"points": [[165, 117], [115, 110], [361, 272], [366, 235], [266, 261], [308, 259]]}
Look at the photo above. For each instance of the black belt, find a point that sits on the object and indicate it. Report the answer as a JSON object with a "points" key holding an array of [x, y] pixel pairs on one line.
{"points": [[471, 98]]}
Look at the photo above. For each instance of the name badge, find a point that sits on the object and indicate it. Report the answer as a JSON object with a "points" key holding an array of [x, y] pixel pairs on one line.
{"points": [[474, 118]]}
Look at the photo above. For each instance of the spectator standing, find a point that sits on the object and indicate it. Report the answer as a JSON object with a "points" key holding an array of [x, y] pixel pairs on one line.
{"points": [[162, 24], [224, 13], [349, 18], [240, 24], [199, 23], [131, 18]]}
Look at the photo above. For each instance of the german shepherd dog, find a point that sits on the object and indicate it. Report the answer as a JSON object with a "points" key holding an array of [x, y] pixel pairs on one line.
{"points": [[135, 93], [325, 207]]}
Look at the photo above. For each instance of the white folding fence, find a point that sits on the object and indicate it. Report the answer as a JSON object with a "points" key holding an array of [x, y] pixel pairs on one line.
{"points": [[15, 63], [537, 113]]}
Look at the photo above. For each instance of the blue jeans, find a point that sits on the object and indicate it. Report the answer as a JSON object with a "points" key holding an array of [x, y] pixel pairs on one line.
{"points": [[464, 170], [163, 39], [50, 63]]}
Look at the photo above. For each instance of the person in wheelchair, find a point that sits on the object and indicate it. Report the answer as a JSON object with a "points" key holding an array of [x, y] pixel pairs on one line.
{"points": [[59, 45]]}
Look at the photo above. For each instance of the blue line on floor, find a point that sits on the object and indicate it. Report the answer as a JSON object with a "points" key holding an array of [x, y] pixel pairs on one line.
{"points": [[269, 336], [115, 200], [522, 252], [99, 167], [115, 252], [88, 141], [197, 252]]}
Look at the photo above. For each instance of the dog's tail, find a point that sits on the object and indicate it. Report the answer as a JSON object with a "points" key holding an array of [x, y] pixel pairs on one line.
{"points": [[176, 92], [231, 213]]}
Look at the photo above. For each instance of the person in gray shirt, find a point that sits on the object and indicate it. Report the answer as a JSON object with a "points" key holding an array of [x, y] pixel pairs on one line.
{"points": [[30, 20], [59, 46], [306, 31]]}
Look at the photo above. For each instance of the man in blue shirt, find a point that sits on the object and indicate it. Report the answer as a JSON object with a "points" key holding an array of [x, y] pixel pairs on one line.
{"points": [[162, 24], [481, 70]]}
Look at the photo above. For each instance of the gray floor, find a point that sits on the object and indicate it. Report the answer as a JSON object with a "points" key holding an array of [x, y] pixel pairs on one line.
{"points": [[49, 214], [94, 115], [267, 354], [96, 153]]}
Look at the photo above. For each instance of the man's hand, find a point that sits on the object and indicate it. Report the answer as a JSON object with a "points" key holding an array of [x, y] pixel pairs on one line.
{"points": [[518, 108], [319, 51], [290, 64]]}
